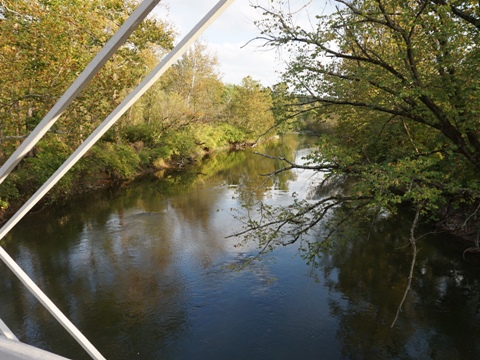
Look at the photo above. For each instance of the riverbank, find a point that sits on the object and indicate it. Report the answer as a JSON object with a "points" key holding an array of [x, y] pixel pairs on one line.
{"points": [[144, 271], [108, 172], [465, 225]]}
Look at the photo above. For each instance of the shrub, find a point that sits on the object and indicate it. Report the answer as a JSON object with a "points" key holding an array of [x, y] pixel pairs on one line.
{"points": [[119, 161], [148, 134]]}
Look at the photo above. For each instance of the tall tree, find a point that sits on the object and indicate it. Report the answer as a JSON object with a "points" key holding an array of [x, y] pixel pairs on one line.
{"points": [[401, 77], [189, 92], [45, 44], [251, 108], [196, 79]]}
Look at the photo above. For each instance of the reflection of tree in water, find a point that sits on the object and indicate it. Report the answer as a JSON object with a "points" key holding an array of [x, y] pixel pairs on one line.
{"points": [[250, 179], [242, 170], [367, 277], [113, 285], [108, 263]]}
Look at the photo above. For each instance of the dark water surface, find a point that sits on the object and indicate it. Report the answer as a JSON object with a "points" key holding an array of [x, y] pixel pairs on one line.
{"points": [[143, 272]]}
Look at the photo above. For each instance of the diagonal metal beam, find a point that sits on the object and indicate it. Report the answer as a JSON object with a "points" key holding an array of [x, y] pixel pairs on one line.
{"points": [[151, 78], [173, 56], [6, 332], [50, 306]]}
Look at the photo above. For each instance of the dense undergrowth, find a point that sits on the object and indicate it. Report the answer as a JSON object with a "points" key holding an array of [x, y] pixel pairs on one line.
{"points": [[116, 159]]}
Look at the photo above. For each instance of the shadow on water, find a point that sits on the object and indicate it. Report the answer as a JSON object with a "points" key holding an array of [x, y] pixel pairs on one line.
{"points": [[440, 318], [141, 271]]}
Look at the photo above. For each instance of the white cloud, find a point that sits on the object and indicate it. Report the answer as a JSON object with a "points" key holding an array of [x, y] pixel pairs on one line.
{"points": [[238, 62], [229, 34], [227, 37]]}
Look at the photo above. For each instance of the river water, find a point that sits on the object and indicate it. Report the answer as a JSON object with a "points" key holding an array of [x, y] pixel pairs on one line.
{"points": [[145, 273]]}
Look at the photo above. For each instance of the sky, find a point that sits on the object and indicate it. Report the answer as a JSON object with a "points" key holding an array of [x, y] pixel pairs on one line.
{"points": [[230, 35]]}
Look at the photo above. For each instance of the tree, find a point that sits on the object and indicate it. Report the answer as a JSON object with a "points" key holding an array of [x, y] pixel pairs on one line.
{"points": [[401, 77], [250, 108], [189, 92], [282, 102], [195, 77], [45, 44]]}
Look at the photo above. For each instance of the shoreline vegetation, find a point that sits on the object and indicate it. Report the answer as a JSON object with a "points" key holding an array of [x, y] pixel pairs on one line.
{"points": [[402, 81], [105, 178], [110, 165], [395, 112], [189, 112]]}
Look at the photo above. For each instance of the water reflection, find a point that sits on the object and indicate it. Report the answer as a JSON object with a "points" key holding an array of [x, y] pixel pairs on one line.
{"points": [[110, 273], [125, 265], [440, 319], [141, 271]]}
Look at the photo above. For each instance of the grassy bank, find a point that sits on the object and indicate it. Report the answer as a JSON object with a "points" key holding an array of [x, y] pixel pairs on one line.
{"points": [[117, 159]]}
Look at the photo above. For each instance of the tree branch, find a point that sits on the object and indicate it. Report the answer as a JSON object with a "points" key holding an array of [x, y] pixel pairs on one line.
{"points": [[295, 218], [292, 165], [413, 243], [474, 20]]}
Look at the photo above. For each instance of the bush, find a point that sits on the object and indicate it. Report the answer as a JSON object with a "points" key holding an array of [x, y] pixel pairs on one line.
{"points": [[148, 134], [119, 161], [181, 143], [50, 154], [232, 134], [218, 136]]}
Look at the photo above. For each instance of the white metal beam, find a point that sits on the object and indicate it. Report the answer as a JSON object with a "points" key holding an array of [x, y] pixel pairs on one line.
{"points": [[173, 56], [50, 306], [6, 332], [151, 78], [78, 85]]}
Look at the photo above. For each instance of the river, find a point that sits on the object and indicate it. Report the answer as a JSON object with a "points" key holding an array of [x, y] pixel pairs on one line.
{"points": [[144, 272]]}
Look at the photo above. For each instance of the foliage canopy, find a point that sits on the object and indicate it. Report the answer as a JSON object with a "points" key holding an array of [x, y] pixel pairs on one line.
{"points": [[45, 44], [401, 79]]}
